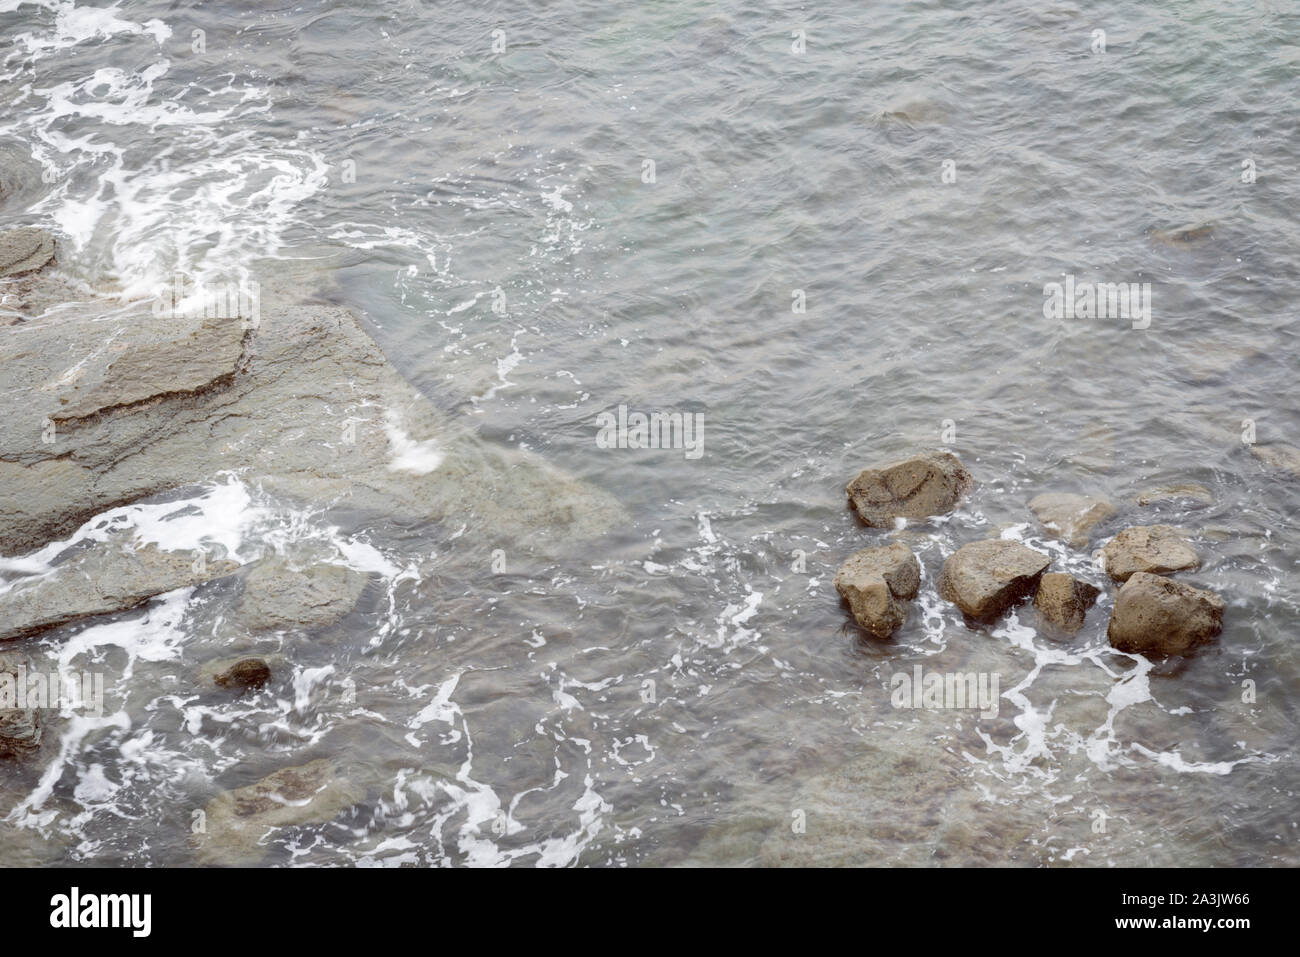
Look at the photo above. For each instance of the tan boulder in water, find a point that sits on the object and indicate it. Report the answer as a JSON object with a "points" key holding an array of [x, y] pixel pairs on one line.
{"points": [[1157, 616], [877, 583], [245, 674], [1148, 548], [928, 484], [1064, 600], [985, 578]]}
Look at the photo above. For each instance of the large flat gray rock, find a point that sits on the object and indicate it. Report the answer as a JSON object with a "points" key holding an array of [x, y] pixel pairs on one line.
{"points": [[105, 410], [105, 578]]}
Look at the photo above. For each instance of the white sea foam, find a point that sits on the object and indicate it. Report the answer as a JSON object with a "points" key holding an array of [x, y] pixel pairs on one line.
{"points": [[409, 455], [220, 195]]}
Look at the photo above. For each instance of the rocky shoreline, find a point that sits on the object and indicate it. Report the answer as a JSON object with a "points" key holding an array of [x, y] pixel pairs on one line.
{"points": [[111, 407], [1152, 614]]}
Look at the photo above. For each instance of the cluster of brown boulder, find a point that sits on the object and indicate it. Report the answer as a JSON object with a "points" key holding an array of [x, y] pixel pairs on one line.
{"points": [[1153, 614]]}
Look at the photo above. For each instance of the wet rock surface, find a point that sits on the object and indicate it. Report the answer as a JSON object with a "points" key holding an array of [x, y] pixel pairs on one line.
{"points": [[245, 674], [1157, 549], [26, 250], [1071, 517], [201, 356], [278, 595], [918, 487], [986, 578], [1179, 492], [1158, 616], [20, 728], [1184, 235], [877, 583], [107, 577], [1064, 600]]}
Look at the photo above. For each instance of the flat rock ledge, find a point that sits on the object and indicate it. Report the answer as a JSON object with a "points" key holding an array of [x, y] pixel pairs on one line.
{"points": [[1159, 617], [107, 577], [112, 406], [1064, 600], [929, 484], [986, 578], [877, 583], [1071, 517], [1157, 549]]}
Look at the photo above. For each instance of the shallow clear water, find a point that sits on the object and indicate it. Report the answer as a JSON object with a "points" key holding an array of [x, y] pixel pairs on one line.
{"points": [[423, 178]]}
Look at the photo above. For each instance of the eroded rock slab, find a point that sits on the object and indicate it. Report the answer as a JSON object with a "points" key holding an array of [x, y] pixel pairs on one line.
{"points": [[1157, 549], [1071, 517], [1158, 616], [1064, 600], [877, 583], [202, 356], [108, 577], [928, 484], [277, 595], [237, 821], [986, 578], [24, 251], [121, 407]]}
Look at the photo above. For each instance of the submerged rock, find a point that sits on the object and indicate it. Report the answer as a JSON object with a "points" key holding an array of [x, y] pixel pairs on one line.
{"points": [[1064, 600], [1158, 616], [24, 251], [928, 484], [246, 673], [1278, 455], [1148, 548], [877, 583], [1069, 516], [914, 112], [1181, 235], [1093, 448], [302, 403], [986, 578], [276, 595], [1187, 491], [107, 577], [20, 728], [902, 808], [237, 822]]}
